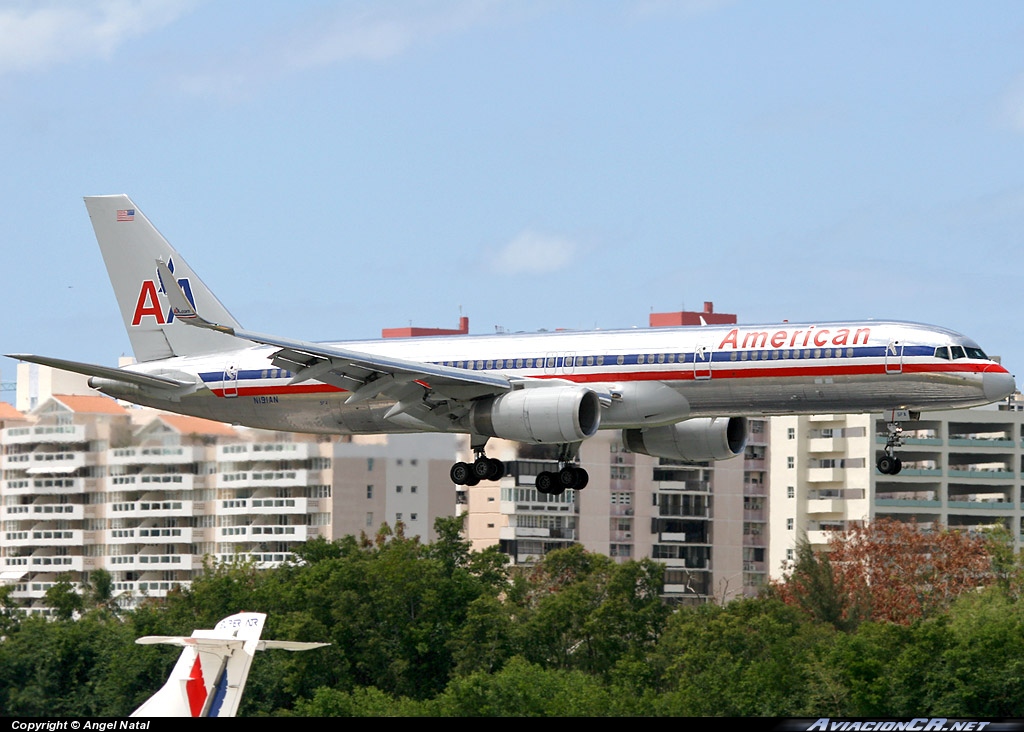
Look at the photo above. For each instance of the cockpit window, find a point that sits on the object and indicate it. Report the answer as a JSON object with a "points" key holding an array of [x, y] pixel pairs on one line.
{"points": [[957, 351], [942, 352], [975, 353]]}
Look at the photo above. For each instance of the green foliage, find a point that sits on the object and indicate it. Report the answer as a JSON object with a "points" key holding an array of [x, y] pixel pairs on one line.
{"points": [[440, 630]]}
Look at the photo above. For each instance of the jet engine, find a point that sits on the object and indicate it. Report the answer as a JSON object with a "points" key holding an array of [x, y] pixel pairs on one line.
{"points": [[714, 438], [548, 414]]}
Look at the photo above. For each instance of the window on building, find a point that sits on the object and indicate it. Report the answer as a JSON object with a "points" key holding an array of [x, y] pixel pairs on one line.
{"points": [[369, 518], [791, 433], [790, 462], [369, 491], [789, 524], [790, 491], [398, 489], [413, 516]]}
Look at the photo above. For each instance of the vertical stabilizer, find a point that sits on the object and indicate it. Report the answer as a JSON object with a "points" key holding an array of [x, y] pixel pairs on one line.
{"points": [[131, 245], [209, 678], [211, 672]]}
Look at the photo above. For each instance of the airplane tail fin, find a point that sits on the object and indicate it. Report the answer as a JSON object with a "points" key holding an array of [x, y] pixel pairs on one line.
{"points": [[209, 678], [131, 245]]}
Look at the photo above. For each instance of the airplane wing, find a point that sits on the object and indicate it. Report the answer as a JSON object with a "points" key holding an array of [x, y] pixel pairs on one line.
{"points": [[365, 375], [107, 372]]}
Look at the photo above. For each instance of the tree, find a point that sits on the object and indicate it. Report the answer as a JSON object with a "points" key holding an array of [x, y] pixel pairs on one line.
{"points": [[64, 598], [887, 570]]}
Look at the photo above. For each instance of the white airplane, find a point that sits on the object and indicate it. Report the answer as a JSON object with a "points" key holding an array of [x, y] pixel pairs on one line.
{"points": [[677, 393], [209, 678]]}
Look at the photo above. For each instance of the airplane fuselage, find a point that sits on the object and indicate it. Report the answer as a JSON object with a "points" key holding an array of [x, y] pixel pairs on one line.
{"points": [[646, 376]]}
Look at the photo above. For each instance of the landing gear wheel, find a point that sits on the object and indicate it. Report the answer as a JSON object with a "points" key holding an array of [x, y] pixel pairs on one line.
{"points": [[570, 477], [545, 483], [460, 473], [889, 465]]}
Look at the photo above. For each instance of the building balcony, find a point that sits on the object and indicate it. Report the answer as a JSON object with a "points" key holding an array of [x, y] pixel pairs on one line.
{"points": [[152, 562], [826, 505], [692, 486], [263, 560], [43, 538], [152, 509], [826, 444], [150, 588], [981, 442], [150, 535], [262, 479], [262, 532], [44, 512], [512, 533], [985, 504], [151, 481], [267, 451], [986, 473], [155, 455], [262, 506], [49, 463], [47, 434], [826, 475], [46, 563], [821, 537]]}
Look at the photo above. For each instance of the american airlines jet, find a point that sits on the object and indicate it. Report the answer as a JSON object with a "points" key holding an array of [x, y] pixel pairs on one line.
{"points": [[678, 393]]}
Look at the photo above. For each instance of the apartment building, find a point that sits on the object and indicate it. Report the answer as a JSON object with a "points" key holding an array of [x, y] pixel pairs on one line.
{"points": [[961, 469], [149, 496]]}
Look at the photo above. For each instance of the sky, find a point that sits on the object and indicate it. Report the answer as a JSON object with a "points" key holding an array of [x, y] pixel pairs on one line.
{"points": [[334, 168]]}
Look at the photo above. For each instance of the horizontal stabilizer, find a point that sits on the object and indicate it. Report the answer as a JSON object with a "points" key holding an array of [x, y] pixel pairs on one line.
{"points": [[105, 372], [209, 677]]}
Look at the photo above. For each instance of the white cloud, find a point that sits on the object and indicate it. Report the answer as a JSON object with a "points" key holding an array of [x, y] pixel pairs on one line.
{"points": [[372, 32], [1011, 109], [381, 31], [536, 253], [36, 35]]}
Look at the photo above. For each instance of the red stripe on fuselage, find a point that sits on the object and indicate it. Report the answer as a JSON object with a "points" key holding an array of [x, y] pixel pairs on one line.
{"points": [[717, 371]]}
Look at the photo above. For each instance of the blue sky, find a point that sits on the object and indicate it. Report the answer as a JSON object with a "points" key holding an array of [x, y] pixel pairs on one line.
{"points": [[334, 168]]}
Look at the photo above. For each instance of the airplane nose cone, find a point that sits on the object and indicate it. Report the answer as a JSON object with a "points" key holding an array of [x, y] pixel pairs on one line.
{"points": [[997, 385]]}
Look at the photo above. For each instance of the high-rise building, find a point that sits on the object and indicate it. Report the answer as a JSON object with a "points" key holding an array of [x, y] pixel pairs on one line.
{"points": [[961, 469]]}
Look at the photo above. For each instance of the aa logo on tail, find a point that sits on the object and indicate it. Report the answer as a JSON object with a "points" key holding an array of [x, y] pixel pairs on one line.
{"points": [[149, 304]]}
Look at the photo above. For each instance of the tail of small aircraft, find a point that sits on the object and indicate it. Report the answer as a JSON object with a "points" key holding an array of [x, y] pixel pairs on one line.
{"points": [[210, 676], [131, 245]]}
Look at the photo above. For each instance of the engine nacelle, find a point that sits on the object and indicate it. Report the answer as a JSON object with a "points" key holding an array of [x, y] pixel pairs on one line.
{"points": [[548, 414], [714, 438]]}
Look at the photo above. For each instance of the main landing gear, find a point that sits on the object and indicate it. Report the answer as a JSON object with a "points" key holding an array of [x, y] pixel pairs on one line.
{"points": [[569, 476], [483, 468], [888, 463]]}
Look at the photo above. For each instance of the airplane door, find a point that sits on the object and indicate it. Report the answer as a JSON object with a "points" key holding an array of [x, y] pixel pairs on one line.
{"points": [[549, 363], [569, 362], [229, 383], [894, 357], [702, 362]]}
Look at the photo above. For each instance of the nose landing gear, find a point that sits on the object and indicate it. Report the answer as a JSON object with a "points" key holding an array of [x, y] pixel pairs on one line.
{"points": [[888, 463]]}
